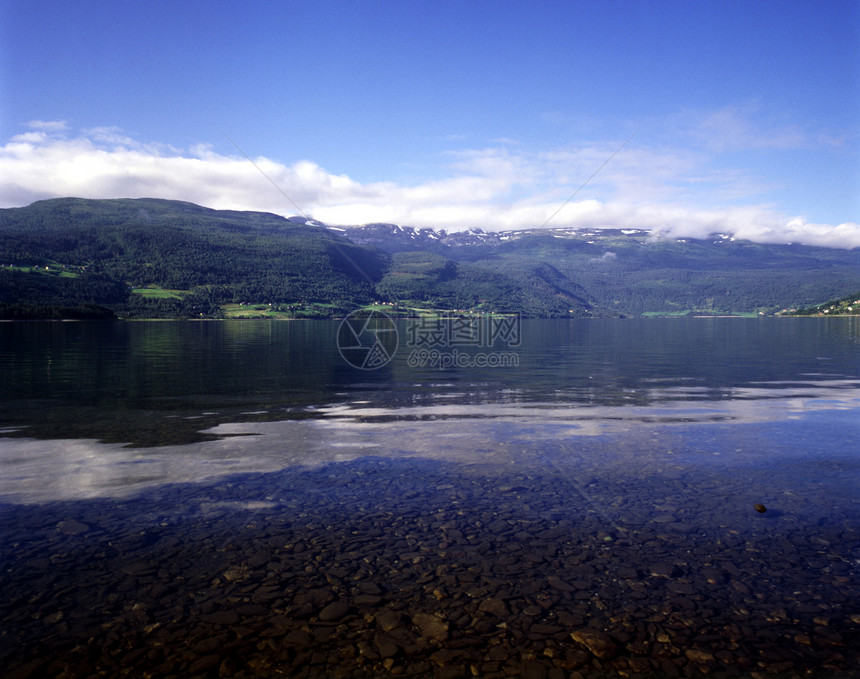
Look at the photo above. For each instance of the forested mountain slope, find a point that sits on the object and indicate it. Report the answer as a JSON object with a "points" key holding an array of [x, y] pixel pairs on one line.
{"points": [[213, 257]]}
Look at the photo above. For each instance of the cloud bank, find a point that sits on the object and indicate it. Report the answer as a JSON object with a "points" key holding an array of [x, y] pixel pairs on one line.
{"points": [[497, 188]]}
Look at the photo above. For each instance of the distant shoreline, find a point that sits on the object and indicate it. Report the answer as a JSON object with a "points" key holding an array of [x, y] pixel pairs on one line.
{"points": [[334, 318]]}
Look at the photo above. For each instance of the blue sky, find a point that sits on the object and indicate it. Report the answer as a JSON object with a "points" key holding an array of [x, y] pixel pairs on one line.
{"points": [[453, 115]]}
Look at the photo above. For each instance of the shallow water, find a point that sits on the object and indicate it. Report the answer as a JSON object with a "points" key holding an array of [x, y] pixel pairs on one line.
{"points": [[230, 499]]}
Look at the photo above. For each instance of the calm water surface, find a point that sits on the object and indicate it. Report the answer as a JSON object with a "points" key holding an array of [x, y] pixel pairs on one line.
{"points": [[240, 487]]}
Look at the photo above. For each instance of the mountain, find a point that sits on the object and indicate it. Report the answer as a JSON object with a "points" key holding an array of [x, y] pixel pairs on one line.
{"points": [[630, 271], [393, 238], [421, 278], [160, 258], [101, 251]]}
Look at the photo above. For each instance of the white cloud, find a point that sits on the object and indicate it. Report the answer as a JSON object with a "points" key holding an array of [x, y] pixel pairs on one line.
{"points": [[48, 125], [733, 128], [738, 127], [492, 188]]}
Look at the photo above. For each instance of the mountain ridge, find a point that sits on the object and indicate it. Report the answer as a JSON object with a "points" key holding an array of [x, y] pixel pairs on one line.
{"points": [[121, 253]]}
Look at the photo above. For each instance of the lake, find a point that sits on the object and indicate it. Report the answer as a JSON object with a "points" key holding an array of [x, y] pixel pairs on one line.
{"points": [[451, 497]]}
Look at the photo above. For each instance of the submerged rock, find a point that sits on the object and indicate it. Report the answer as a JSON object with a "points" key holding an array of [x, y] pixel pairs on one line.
{"points": [[494, 607], [697, 655], [388, 619], [431, 626], [334, 611], [597, 642], [72, 527]]}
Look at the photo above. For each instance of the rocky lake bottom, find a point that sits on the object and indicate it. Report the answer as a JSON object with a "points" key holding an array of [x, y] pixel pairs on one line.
{"points": [[592, 556]]}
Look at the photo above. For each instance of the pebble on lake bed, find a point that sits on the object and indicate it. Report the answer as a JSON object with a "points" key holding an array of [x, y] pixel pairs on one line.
{"points": [[760, 508]]}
